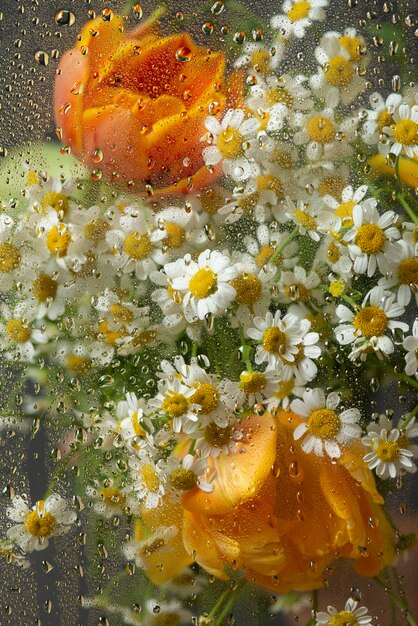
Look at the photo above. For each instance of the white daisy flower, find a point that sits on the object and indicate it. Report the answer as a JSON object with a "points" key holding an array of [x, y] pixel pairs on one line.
{"points": [[390, 452], [167, 613], [285, 390], [350, 615], [402, 134], [203, 284], [350, 199], [229, 141], [50, 194], [182, 228], [108, 501], [325, 429], [19, 337], [403, 274], [410, 344], [134, 427], [214, 441], [185, 474], [210, 394], [297, 16], [337, 77], [134, 245], [278, 338], [253, 289], [34, 526], [260, 59], [298, 286], [372, 240], [264, 245], [157, 543], [310, 219], [18, 262], [326, 140], [174, 400], [147, 479], [366, 329], [380, 116], [256, 387]]}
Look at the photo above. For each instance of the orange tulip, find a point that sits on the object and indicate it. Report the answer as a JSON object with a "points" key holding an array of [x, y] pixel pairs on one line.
{"points": [[133, 104], [287, 518], [408, 169]]}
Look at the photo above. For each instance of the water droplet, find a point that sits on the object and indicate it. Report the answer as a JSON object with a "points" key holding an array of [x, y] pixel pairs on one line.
{"points": [[183, 54], [64, 18], [218, 7], [42, 57]]}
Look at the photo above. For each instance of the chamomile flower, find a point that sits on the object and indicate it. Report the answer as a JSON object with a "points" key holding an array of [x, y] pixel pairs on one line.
{"points": [[310, 219], [174, 400], [277, 338], [410, 344], [214, 441], [389, 450], [50, 194], [167, 613], [403, 274], [18, 262], [35, 526], [366, 329], [20, 337], [186, 474], [253, 289], [147, 479], [326, 140], [402, 133], [256, 387], [324, 429], [108, 501], [380, 116], [260, 59], [350, 615], [297, 16], [204, 284], [159, 542], [134, 426], [372, 240], [337, 77], [229, 141], [298, 286], [350, 198], [264, 246]]}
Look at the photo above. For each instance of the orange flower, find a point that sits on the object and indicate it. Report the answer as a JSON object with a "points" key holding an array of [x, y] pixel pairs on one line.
{"points": [[282, 517], [408, 169], [133, 105]]}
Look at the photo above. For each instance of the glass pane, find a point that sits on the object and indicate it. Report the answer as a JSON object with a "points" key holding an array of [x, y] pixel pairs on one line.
{"points": [[208, 313]]}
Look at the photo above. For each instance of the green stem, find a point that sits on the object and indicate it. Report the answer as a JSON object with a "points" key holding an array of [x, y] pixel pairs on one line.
{"points": [[408, 209], [398, 601], [283, 245], [408, 380], [410, 416], [228, 606], [219, 603]]}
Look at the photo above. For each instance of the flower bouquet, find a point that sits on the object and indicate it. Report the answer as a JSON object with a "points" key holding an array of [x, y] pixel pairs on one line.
{"points": [[209, 311]]}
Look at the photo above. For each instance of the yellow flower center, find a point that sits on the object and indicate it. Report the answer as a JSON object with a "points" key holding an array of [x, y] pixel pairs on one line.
{"points": [[136, 425], [387, 451], [77, 363], [270, 183], [353, 46], [44, 287], [370, 238], [40, 526], [299, 10], [406, 132], [183, 479], [217, 436], [175, 404], [408, 272], [305, 219], [274, 340], [32, 178], [384, 119], [260, 61], [344, 618], [207, 397], [58, 240], [150, 478], [176, 235], [137, 246], [339, 72], [264, 256], [230, 143], [324, 423], [298, 292], [337, 288], [18, 330], [9, 257], [121, 314], [321, 129], [280, 95], [371, 321], [96, 230], [110, 336], [57, 201], [332, 186], [252, 382], [248, 288], [204, 283], [333, 252], [249, 202], [112, 497], [285, 389], [345, 212]]}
